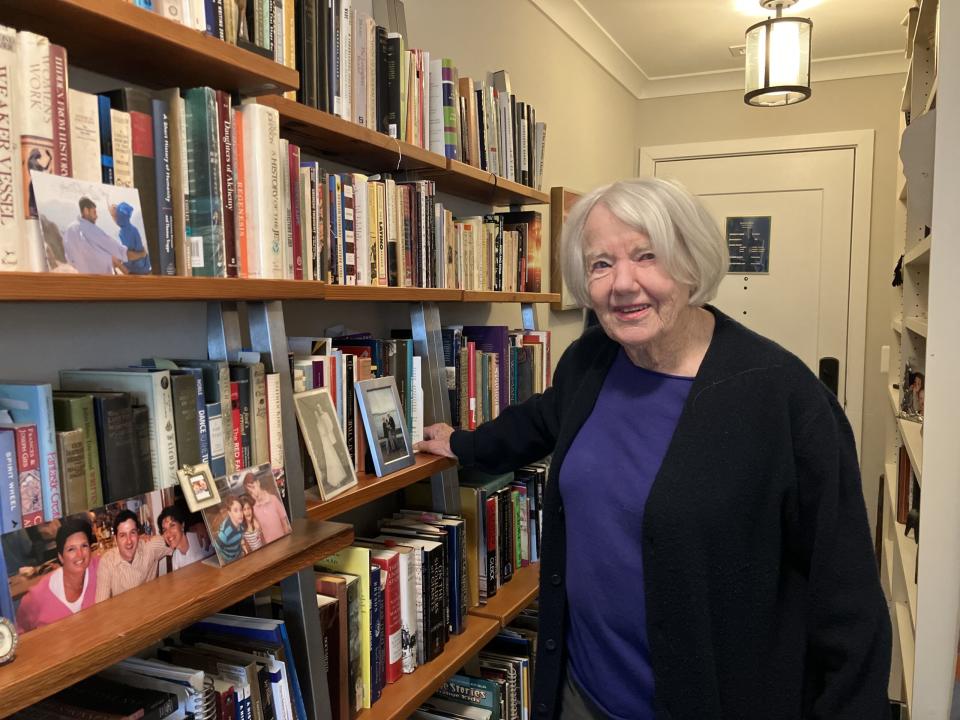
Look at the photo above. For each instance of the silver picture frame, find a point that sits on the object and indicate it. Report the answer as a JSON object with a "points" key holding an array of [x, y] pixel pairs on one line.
{"points": [[384, 421]]}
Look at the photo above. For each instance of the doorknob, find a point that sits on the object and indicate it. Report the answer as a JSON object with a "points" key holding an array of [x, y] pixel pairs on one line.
{"points": [[830, 373]]}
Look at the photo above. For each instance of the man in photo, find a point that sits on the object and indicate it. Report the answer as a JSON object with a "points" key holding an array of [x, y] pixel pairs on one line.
{"points": [[91, 250], [187, 546], [269, 510], [132, 561], [130, 237]]}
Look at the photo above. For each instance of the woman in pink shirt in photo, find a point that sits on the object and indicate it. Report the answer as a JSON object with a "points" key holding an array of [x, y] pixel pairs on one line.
{"points": [[68, 589], [268, 508]]}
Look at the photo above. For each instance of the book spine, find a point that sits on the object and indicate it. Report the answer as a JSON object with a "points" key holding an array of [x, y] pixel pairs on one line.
{"points": [[106, 140], [71, 452], [181, 184], [491, 534], [274, 420], [236, 414], [88, 422], [240, 211], [62, 161], [225, 140], [28, 468], [10, 515], [12, 228], [36, 136], [260, 440], [205, 208], [122, 141], [166, 260], [215, 434], [84, 137], [377, 666], [296, 231]]}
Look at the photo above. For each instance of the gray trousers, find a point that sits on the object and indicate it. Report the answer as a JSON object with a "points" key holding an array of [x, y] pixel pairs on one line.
{"points": [[575, 705]]}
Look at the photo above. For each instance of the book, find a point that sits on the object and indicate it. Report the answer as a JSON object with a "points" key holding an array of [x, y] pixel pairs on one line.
{"points": [[75, 410], [337, 643], [33, 403], [28, 472], [71, 454], [205, 201], [10, 516], [13, 236], [85, 137]]}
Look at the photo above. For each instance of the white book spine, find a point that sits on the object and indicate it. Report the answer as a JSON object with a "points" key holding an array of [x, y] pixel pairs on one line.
{"points": [[408, 609], [263, 182], [85, 137], [506, 135], [359, 69], [361, 234], [35, 121], [12, 225], [306, 223], [286, 220], [121, 132], [274, 420], [370, 29], [416, 410], [346, 56], [436, 108]]}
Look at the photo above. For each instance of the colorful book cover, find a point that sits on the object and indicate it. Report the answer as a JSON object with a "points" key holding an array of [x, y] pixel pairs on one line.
{"points": [[10, 517], [205, 201], [34, 404]]}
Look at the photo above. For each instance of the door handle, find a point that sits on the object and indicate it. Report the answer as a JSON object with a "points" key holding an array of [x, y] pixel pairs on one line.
{"points": [[830, 373]]}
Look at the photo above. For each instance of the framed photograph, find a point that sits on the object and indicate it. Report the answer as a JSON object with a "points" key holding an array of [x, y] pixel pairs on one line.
{"points": [[387, 434], [561, 201], [199, 489], [250, 513], [90, 228], [325, 443]]}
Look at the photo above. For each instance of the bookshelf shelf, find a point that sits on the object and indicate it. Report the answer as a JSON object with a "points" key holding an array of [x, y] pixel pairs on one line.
{"points": [[374, 293], [920, 255], [329, 136], [332, 137], [913, 441], [371, 487], [916, 325], [404, 696], [904, 548], [907, 645], [513, 597], [121, 40], [55, 287], [897, 325], [56, 656]]}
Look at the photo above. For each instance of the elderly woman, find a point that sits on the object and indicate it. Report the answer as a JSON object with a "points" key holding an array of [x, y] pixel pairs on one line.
{"points": [[706, 551], [70, 588]]}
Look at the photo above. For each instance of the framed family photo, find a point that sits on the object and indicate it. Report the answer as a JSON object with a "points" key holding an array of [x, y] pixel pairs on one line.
{"points": [[562, 201], [199, 489], [383, 418], [325, 442], [250, 513]]}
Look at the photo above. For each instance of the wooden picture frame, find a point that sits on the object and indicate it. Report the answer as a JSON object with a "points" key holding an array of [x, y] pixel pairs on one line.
{"points": [[561, 201], [198, 486]]}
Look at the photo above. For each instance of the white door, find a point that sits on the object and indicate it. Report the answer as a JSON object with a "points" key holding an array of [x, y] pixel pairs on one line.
{"points": [[795, 286]]}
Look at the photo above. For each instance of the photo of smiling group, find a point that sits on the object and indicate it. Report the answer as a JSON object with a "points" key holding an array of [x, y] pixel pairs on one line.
{"points": [[61, 567]]}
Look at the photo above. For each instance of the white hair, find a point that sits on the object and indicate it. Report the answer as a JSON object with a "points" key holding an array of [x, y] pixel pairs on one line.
{"points": [[684, 236]]}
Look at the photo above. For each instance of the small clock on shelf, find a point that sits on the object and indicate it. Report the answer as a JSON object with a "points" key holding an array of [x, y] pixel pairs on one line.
{"points": [[8, 640]]}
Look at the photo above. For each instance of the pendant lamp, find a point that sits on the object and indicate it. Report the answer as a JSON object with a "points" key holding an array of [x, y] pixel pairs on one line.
{"points": [[778, 58]]}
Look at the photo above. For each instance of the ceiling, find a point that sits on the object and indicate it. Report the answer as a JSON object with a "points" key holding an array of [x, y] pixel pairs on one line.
{"points": [[669, 47]]}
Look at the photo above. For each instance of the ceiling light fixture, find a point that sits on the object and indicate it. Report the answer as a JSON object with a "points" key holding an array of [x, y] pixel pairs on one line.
{"points": [[778, 58]]}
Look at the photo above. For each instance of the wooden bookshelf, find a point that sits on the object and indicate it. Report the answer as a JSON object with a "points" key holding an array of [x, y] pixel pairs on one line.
{"points": [[56, 656], [513, 597], [371, 487], [489, 296], [404, 696], [56, 287], [375, 293], [508, 189], [123, 41], [324, 134]]}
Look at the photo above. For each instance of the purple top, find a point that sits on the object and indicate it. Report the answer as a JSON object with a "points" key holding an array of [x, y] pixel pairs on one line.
{"points": [[605, 481]]}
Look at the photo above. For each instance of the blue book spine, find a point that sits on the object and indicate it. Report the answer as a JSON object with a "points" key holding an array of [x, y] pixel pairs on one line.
{"points": [[106, 140], [161, 144], [218, 462], [34, 404], [6, 600], [9, 485], [145, 4]]}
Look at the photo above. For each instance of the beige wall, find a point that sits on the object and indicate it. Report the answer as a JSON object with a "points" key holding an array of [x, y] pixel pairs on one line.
{"points": [[591, 126], [857, 104]]}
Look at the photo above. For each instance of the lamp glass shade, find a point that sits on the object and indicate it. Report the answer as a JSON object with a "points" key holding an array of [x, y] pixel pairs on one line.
{"points": [[778, 62]]}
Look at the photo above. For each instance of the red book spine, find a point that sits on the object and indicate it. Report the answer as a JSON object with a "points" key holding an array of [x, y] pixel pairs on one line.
{"points": [[293, 158], [240, 216], [391, 603], [28, 468], [60, 110], [492, 533], [237, 425], [227, 180]]}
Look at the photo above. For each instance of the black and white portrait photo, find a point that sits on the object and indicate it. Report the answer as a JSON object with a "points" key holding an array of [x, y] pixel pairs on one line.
{"points": [[325, 442], [383, 419]]}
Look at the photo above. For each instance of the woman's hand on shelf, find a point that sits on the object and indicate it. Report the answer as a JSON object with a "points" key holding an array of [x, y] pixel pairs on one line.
{"points": [[436, 440]]}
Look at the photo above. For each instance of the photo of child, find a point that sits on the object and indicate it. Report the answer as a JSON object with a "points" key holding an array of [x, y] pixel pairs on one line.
{"points": [[249, 515]]}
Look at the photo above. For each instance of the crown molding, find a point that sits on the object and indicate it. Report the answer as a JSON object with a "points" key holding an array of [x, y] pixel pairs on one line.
{"points": [[580, 26]]}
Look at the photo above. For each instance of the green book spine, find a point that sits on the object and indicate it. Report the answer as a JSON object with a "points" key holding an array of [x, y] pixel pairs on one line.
{"points": [[205, 231], [76, 411]]}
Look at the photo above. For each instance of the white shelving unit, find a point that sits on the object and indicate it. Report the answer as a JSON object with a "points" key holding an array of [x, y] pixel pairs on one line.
{"points": [[925, 334]]}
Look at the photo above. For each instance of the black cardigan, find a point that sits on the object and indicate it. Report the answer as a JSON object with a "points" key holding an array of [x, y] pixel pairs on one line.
{"points": [[762, 592]]}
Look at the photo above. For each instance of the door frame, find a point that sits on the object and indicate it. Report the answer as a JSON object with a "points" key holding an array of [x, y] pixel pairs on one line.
{"points": [[862, 144]]}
